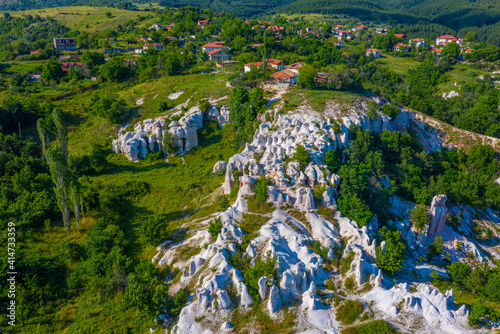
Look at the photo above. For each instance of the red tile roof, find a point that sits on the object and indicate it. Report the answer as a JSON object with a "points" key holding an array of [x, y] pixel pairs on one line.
{"points": [[400, 35], [214, 45], [256, 64], [447, 37]]}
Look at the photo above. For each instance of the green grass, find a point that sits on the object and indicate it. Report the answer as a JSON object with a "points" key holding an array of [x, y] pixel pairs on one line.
{"points": [[461, 74], [398, 65], [87, 18], [315, 98]]}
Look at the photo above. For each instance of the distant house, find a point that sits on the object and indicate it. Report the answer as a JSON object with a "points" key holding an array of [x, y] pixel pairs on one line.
{"points": [[400, 35], [141, 50], [339, 43], [157, 46], [130, 61], [437, 50], [345, 33], [417, 43], [381, 31], [285, 76], [296, 66], [203, 22], [170, 26], [320, 77], [212, 46], [34, 78], [360, 28], [69, 57], [469, 50], [248, 67], [309, 29], [338, 27], [218, 55], [255, 45], [65, 44], [445, 39], [277, 64], [276, 29], [68, 66], [374, 52], [34, 52], [400, 47]]}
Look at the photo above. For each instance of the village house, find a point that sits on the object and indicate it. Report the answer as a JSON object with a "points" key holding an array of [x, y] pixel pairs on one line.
{"points": [[65, 44], [130, 61], [296, 66], [309, 29], [34, 78], [285, 76], [360, 28], [212, 46], [218, 55], [437, 50], [34, 52], [69, 57], [248, 67], [320, 78], [277, 64], [170, 26], [417, 43], [157, 46], [203, 22], [381, 31], [344, 33], [339, 43], [374, 52], [400, 47], [74, 65], [337, 27], [403, 36], [445, 39]]}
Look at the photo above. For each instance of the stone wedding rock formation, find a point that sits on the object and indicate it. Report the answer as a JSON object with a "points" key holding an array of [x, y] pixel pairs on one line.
{"points": [[147, 137], [222, 115], [438, 214]]}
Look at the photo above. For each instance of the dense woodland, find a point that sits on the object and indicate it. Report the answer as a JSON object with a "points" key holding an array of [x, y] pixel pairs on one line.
{"points": [[77, 278]]}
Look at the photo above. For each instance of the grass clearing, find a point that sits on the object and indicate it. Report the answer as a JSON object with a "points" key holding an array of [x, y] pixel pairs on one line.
{"points": [[87, 18], [399, 65]]}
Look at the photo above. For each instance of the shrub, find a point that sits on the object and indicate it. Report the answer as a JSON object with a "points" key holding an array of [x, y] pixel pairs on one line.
{"points": [[345, 263], [153, 228], [372, 327], [420, 217], [392, 256], [261, 188], [215, 227], [349, 311], [302, 157]]}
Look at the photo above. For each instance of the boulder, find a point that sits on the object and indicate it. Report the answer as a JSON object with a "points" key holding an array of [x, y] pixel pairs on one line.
{"points": [[219, 166], [305, 199], [274, 303], [262, 288]]}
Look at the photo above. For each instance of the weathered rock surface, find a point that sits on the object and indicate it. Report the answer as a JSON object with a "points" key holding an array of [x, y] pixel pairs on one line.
{"points": [[147, 137]]}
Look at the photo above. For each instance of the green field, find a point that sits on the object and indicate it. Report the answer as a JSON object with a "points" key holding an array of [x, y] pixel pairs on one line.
{"points": [[87, 18], [397, 64]]}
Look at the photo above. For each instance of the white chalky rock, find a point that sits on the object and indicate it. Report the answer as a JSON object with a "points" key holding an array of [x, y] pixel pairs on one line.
{"points": [[219, 165], [438, 216], [246, 298], [305, 199], [223, 117], [274, 303], [149, 134], [226, 327], [328, 199], [262, 288], [223, 300]]}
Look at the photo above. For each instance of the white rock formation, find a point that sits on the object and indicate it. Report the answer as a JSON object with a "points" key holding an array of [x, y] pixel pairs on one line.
{"points": [[219, 166], [147, 137], [438, 216]]}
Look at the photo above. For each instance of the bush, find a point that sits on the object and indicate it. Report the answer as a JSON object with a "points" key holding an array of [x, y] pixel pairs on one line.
{"points": [[215, 227], [345, 263], [392, 256], [372, 327], [302, 157], [153, 228], [261, 188], [349, 311], [420, 217]]}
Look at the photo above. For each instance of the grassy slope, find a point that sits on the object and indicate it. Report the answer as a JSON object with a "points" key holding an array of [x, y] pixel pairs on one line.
{"points": [[397, 64], [86, 18]]}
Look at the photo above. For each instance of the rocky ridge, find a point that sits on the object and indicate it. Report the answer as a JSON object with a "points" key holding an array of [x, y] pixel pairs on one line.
{"points": [[301, 271]]}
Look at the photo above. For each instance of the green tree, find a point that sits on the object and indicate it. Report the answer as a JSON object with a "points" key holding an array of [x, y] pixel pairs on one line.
{"points": [[52, 70], [261, 188], [92, 59], [306, 76], [153, 229], [420, 217], [451, 50], [114, 70], [169, 144], [302, 157], [215, 227], [392, 256]]}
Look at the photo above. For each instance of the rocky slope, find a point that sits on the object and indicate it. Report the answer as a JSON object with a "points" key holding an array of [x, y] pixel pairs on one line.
{"points": [[306, 282]]}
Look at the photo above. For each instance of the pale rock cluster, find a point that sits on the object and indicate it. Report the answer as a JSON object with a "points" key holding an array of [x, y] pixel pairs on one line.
{"points": [[220, 115], [433, 310], [147, 137], [300, 270]]}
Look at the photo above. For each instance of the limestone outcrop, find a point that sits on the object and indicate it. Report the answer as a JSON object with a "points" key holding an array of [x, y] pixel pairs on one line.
{"points": [[147, 136]]}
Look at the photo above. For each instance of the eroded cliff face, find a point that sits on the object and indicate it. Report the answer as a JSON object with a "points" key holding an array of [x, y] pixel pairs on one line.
{"points": [[306, 282]]}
